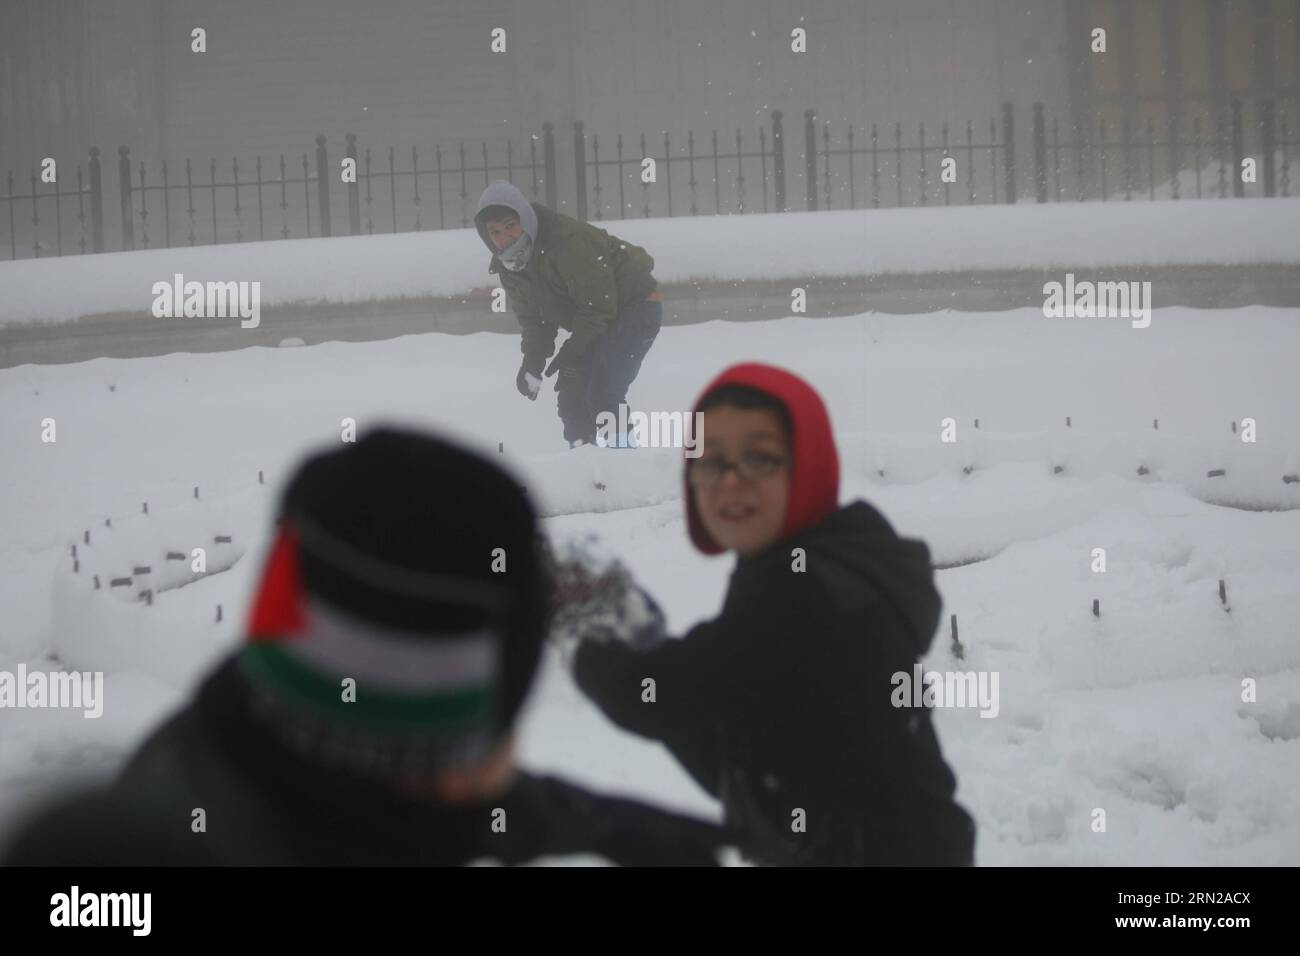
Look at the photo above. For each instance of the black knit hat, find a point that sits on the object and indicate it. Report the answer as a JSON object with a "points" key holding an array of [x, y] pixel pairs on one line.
{"points": [[411, 566]]}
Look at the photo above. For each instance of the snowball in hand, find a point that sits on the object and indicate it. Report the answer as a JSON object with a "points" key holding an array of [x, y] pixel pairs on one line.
{"points": [[596, 598]]}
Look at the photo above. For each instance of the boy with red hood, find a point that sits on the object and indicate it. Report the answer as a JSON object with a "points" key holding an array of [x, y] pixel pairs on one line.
{"points": [[780, 707]]}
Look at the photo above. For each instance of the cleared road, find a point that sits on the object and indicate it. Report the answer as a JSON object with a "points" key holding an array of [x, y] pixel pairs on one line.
{"points": [[125, 335]]}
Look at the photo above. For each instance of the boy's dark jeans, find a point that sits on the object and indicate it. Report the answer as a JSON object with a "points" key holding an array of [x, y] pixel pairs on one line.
{"points": [[615, 363]]}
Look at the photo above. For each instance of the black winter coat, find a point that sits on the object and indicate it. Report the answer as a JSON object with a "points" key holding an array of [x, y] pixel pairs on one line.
{"points": [[783, 702], [264, 805]]}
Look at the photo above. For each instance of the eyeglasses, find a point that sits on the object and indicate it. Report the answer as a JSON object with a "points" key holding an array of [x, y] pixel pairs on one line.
{"points": [[752, 466]]}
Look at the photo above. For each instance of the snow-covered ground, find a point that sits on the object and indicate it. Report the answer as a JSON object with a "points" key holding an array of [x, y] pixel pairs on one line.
{"points": [[1138, 712], [799, 245]]}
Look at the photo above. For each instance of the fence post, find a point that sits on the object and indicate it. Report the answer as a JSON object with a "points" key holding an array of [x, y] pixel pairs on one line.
{"points": [[354, 189], [323, 186], [580, 167], [96, 202], [778, 161], [1040, 153], [124, 189], [1009, 146], [548, 162], [1238, 151], [810, 156], [1267, 143]]}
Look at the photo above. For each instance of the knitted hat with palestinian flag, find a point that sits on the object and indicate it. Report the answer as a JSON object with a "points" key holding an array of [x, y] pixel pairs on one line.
{"points": [[402, 610]]}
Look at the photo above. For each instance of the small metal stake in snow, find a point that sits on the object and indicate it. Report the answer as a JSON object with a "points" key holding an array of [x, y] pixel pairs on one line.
{"points": [[85, 536], [144, 569], [108, 522], [977, 423], [1234, 426], [260, 479], [222, 539], [1143, 470], [76, 566], [1223, 594], [1156, 424], [957, 650], [145, 507], [1096, 607], [196, 492], [74, 549], [1067, 421], [175, 556], [218, 613], [500, 446], [1216, 473], [1057, 469], [148, 597], [96, 582]]}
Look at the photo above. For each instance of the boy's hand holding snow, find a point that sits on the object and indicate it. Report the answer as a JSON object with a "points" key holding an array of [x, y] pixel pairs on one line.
{"points": [[597, 599], [527, 382]]}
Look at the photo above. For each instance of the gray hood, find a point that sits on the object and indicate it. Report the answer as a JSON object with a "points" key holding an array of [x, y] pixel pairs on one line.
{"points": [[503, 193]]}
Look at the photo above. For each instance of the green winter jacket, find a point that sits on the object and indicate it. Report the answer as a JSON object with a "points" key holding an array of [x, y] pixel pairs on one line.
{"points": [[578, 279]]}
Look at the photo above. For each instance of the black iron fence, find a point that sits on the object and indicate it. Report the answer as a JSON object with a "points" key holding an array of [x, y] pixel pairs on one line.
{"points": [[288, 198], [868, 166]]}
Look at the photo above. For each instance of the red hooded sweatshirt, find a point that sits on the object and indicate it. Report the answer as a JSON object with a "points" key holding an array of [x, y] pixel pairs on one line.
{"points": [[815, 477]]}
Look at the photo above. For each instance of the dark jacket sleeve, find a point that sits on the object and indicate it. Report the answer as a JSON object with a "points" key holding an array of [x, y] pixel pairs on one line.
{"points": [[714, 675], [537, 343], [589, 280], [538, 340], [626, 831]]}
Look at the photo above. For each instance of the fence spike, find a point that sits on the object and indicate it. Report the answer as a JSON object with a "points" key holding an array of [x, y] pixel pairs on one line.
{"points": [[1096, 607]]}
